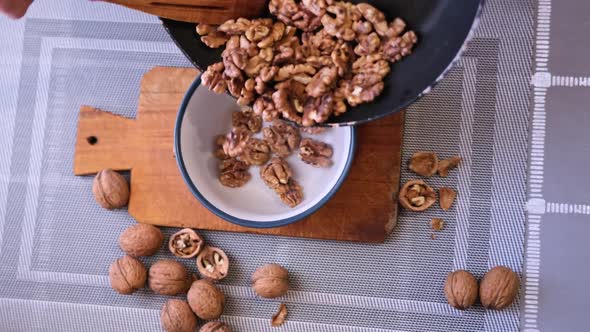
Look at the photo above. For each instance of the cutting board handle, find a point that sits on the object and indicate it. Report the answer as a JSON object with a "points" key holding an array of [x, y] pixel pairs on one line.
{"points": [[102, 141]]}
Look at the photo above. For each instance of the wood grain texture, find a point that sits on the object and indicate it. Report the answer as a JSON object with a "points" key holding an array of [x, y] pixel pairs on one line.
{"points": [[197, 11], [364, 209]]}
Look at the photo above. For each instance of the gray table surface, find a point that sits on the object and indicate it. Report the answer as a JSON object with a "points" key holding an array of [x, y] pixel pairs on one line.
{"points": [[514, 107]]}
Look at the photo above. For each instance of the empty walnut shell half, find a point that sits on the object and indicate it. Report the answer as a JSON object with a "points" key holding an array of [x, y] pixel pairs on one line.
{"points": [[212, 263], [424, 163], [416, 195], [185, 243]]}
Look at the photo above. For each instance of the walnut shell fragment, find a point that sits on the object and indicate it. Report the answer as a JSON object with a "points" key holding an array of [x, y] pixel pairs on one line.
{"points": [[169, 277], [206, 300], [176, 316], [279, 318], [127, 274], [215, 327], [444, 166], [315, 153], [417, 196], [185, 243], [498, 288], [110, 189], [424, 163], [212, 263], [461, 289], [141, 240], [270, 281], [447, 197], [437, 224]]}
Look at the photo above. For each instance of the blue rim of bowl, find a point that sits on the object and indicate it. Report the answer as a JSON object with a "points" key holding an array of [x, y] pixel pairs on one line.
{"points": [[228, 217]]}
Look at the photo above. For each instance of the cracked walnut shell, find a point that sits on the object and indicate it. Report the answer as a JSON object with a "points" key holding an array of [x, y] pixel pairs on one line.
{"points": [[215, 327], [110, 189], [270, 281], [176, 316], [127, 274], [185, 243], [444, 166], [417, 196], [424, 163], [446, 197], [213, 263], [206, 300], [498, 288], [169, 277], [279, 318], [461, 289], [141, 240], [315, 153]]}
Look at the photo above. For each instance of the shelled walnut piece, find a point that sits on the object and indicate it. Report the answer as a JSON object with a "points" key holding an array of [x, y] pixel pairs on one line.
{"points": [[277, 175], [213, 263], [315, 153], [498, 288], [185, 243], [416, 195], [246, 119], [256, 152], [461, 289], [282, 138], [233, 173], [324, 58], [176, 316]]}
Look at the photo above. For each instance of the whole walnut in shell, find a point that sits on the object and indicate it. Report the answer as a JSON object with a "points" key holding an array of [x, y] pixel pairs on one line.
{"points": [[498, 288], [206, 300], [461, 289], [270, 281], [141, 240], [215, 327], [177, 316], [169, 277], [111, 189], [127, 274]]}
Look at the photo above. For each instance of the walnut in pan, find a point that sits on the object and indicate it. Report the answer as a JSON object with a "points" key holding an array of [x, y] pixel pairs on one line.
{"points": [[375, 16], [215, 39], [283, 9], [235, 27], [213, 78], [265, 106], [282, 138], [368, 44], [363, 88], [247, 119], [233, 173], [276, 33], [322, 82], [277, 172], [256, 152], [417, 196], [287, 104], [395, 48], [318, 110], [338, 20], [315, 153], [342, 57]]}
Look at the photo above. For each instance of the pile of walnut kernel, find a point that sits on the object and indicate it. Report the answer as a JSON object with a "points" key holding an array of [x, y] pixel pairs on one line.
{"points": [[170, 277], [239, 149], [317, 57]]}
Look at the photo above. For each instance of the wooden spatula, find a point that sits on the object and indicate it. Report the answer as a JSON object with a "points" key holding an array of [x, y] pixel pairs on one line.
{"points": [[198, 11]]}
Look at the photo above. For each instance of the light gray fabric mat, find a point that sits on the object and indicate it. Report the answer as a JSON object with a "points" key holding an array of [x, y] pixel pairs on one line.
{"points": [[56, 244]]}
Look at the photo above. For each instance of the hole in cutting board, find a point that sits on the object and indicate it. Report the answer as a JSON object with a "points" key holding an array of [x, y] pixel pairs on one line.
{"points": [[92, 140]]}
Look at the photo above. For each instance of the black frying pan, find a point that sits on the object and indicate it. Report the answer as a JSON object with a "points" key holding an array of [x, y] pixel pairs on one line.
{"points": [[443, 27]]}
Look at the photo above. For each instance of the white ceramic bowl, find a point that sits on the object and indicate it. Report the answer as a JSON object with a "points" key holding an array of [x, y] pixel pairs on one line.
{"points": [[202, 116]]}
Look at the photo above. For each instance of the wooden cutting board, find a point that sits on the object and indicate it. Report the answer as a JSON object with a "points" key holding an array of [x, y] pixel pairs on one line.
{"points": [[364, 209]]}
